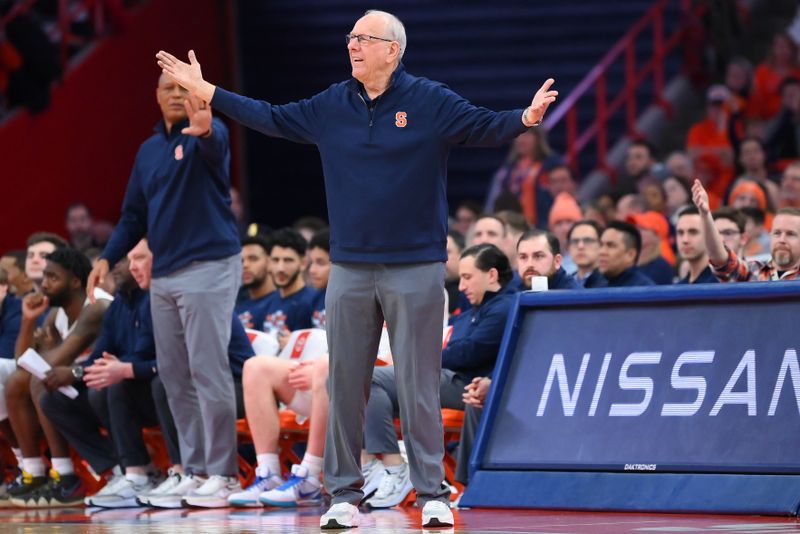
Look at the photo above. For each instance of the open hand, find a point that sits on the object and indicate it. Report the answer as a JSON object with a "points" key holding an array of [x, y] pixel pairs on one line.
{"points": [[199, 114], [300, 377], [700, 197], [541, 101], [188, 75]]}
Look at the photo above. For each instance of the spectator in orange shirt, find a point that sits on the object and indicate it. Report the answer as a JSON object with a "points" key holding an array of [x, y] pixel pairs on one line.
{"points": [[709, 137], [782, 62]]}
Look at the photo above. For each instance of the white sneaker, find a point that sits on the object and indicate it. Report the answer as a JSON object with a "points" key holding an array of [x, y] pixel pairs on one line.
{"points": [[249, 496], [173, 498], [436, 514], [341, 515], [299, 490], [372, 472], [393, 489], [122, 495], [109, 489], [167, 485], [213, 493]]}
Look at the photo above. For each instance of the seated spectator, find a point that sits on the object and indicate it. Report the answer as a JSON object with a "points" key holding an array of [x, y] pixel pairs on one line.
{"points": [[13, 263], [302, 387], [455, 244], [730, 224], [489, 229], [758, 238], [319, 270], [679, 195], [739, 81], [471, 351], [629, 205], [539, 254], [308, 226], [789, 194], [536, 258], [10, 317], [559, 179], [71, 326], [639, 161], [692, 247], [679, 164], [79, 227], [465, 216], [564, 213], [781, 63], [40, 244], [730, 267], [709, 138], [516, 225], [782, 136], [114, 391], [289, 308], [748, 194], [620, 246], [753, 161], [519, 176], [584, 247], [652, 190], [656, 259], [255, 278]]}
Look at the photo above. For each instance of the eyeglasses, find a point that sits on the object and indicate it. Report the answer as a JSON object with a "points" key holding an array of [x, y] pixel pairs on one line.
{"points": [[575, 241], [729, 233], [363, 38]]}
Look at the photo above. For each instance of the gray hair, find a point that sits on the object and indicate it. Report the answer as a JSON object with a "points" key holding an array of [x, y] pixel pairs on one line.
{"points": [[395, 29]]}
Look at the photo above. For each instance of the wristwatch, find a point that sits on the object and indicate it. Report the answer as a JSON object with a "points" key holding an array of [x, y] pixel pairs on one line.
{"points": [[78, 371]]}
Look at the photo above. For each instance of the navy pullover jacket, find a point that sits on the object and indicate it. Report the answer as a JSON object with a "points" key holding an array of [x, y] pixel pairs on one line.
{"points": [[10, 318], [127, 333], [706, 277], [629, 278], [562, 280], [384, 161], [239, 348], [179, 196], [475, 341]]}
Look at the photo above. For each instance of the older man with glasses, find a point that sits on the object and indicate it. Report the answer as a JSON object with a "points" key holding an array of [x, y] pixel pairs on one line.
{"points": [[384, 138]]}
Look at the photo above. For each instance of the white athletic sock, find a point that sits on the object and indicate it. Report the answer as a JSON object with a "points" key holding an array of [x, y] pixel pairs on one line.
{"points": [[136, 479], [63, 466], [313, 464], [394, 469], [268, 461], [34, 466], [116, 471]]}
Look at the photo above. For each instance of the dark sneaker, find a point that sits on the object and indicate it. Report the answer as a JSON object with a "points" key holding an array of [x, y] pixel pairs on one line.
{"points": [[60, 492], [25, 483]]}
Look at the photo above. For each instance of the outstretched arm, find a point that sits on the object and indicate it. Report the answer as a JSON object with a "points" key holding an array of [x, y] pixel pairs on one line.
{"points": [[188, 75], [714, 244]]}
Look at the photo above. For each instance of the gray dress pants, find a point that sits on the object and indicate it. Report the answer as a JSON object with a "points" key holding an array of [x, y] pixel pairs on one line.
{"points": [[410, 298], [192, 311]]}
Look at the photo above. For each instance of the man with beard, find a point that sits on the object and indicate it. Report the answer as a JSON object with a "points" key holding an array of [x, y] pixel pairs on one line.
{"points": [[255, 278], [692, 247], [289, 308], [784, 247], [539, 254], [71, 326]]}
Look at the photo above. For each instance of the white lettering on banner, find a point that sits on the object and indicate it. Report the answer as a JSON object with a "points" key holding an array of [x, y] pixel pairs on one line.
{"points": [[640, 467], [558, 370], [688, 382], [632, 383], [788, 366], [601, 380], [748, 397]]}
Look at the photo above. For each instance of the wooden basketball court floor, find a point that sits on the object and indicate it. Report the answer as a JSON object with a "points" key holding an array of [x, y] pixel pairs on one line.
{"points": [[306, 520]]}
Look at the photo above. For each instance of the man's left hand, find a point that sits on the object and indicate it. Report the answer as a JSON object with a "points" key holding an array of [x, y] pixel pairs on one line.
{"points": [[199, 114], [541, 100], [57, 377], [107, 371]]}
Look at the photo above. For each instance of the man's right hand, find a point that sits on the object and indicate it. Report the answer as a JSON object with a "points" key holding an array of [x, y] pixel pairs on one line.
{"points": [[96, 277], [188, 75], [700, 197], [34, 305]]}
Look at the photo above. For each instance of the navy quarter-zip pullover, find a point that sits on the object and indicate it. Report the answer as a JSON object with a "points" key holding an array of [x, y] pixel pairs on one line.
{"points": [[179, 196], [384, 161]]}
